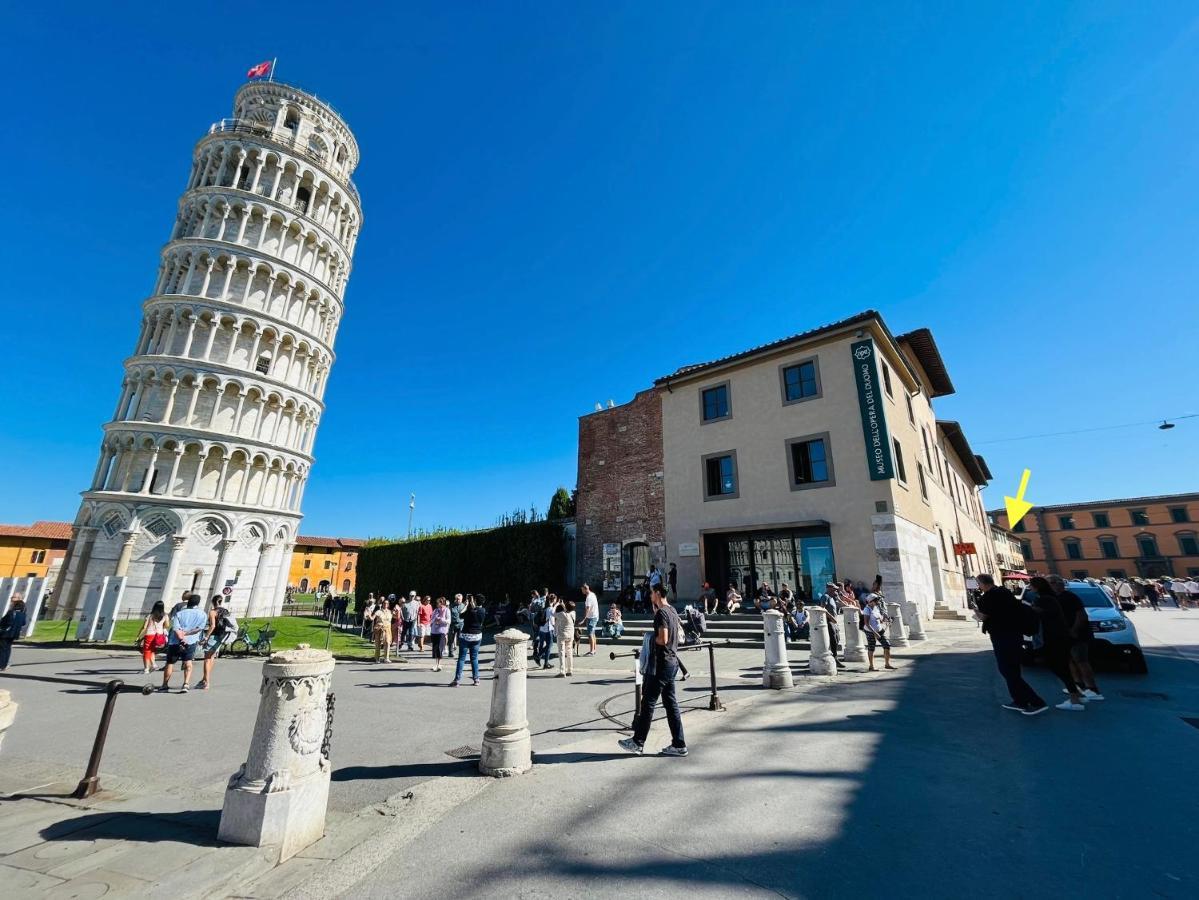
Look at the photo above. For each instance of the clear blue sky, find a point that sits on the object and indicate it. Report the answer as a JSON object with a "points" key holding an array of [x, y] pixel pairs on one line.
{"points": [[564, 201]]}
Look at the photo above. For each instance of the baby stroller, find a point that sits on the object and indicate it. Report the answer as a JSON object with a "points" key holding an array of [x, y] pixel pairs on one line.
{"points": [[695, 623]]}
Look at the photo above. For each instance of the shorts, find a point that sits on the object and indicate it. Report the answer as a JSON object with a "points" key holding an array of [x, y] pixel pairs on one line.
{"points": [[212, 649], [422, 631], [872, 639], [180, 653], [1080, 651], [592, 625]]}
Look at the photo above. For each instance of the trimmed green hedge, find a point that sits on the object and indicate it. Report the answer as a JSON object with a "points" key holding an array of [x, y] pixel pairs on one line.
{"points": [[513, 560]]}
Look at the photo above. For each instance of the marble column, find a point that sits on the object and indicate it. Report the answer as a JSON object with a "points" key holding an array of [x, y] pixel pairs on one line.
{"points": [[911, 618], [776, 669], [851, 635], [259, 579], [896, 633], [507, 744], [126, 553], [280, 795], [821, 660], [168, 583]]}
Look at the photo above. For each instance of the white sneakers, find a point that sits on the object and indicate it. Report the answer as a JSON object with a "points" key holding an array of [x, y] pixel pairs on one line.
{"points": [[1070, 705], [1092, 695]]}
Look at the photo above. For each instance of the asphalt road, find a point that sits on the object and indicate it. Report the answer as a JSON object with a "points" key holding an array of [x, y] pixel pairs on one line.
{"points": [[912, 784], [393, 724]]}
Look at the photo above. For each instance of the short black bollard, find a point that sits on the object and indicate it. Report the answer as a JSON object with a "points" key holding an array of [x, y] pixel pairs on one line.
{"points": [[67, 630], [91, 778], [714, 703]]}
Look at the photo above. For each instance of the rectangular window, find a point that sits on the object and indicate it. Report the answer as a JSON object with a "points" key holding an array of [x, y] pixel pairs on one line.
{"points": [[923, 483], [810, 462], [714, 403], [886, 378], [800, 381], [1187, 543], [928, 457], [1026, 549], [307, 564], [1139, 516], [1179, 514], [1109, 548], [1148, 545], [1078, 574], [1117, 573], [1101, 520], [900, 471], [720, 476], [911, 412], [1066, 522], [1018, 528], [1073, 550], [38, 557]]}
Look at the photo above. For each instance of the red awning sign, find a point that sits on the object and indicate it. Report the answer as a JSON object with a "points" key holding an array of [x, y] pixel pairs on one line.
{"points": [[964, 550]]}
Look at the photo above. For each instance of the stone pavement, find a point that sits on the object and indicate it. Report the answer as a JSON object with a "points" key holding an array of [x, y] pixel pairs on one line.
{"points": [[917, 771]]}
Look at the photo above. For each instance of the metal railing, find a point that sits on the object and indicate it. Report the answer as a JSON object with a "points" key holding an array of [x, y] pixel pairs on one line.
{"points": [[714, 703], [284, 139]]}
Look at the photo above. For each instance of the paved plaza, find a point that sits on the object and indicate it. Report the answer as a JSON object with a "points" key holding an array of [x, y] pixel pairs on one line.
{"points": [[779, 797]]}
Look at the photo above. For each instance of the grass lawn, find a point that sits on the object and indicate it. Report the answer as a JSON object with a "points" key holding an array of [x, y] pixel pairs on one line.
{"points": [[291, 630]]}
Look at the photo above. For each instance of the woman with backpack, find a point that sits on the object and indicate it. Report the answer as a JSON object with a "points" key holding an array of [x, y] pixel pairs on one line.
{"points": [[222, 629], [153, 635], [469, 640]]}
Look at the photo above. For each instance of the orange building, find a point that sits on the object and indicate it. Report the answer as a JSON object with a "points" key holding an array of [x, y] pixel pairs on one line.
{"points": [[1136, 537], [324, 564], [29, 550]]}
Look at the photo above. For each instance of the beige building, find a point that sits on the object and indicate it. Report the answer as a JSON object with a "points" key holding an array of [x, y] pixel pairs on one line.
{"points": [[1009, 554], [820, 456]]}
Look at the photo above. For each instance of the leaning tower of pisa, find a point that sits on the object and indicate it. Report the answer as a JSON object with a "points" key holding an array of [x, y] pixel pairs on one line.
{"points": [[202, 469]]}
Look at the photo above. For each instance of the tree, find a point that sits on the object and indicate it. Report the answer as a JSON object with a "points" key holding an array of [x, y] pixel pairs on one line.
{"points": [[562, 505]]}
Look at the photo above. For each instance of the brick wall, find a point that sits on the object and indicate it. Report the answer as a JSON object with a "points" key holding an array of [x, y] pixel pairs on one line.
{"points": [[620, 482]]}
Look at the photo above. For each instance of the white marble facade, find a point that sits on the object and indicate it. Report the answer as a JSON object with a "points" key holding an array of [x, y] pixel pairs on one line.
{"points": [[203, 466]]}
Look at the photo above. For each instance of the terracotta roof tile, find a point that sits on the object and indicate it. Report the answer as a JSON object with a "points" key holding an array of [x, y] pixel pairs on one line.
{"points": [[54, 531]]}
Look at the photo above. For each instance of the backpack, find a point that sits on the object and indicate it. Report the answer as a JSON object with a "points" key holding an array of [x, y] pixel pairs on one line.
{"points": [[541, 618], [225, 626]]}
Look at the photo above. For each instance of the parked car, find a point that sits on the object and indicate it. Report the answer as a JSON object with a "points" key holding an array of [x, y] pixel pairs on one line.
{"points": [[1115, 636]]}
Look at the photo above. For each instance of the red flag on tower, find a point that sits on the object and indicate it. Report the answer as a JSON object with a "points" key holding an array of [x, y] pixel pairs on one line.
{"points": [[263, 68]]}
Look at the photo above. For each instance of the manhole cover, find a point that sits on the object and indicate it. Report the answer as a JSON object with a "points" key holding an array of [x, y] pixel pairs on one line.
{"points": [[463, 752], [1144, 695], [1194, 723]]}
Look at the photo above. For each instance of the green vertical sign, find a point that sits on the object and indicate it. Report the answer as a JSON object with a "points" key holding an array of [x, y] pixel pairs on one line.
{"points": [[874, 420]]}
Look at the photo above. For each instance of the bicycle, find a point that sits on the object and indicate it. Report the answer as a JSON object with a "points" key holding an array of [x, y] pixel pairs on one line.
{"points": [[260, 644]]}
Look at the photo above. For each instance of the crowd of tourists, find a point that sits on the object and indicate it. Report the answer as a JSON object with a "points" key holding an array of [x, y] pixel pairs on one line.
{"points": [[1182, 592], [421, 624]]}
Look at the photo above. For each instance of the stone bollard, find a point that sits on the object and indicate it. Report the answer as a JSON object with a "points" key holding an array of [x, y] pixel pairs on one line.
{"points": [[896, 633], [8, 712], [507, 745], [851, 636], [911, 618], [281, 793], [776, 669], [821, 660]]}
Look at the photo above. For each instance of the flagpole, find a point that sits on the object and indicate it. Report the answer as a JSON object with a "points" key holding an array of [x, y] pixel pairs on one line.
{"points": [[273, 61]]}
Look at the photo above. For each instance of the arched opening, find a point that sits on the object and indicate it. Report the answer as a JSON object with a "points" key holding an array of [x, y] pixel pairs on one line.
{"points": [[303, 585], [345, 585], [292, 121]]}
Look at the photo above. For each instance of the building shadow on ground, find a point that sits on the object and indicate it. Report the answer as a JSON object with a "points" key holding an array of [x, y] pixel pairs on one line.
{"points": [[195, 827]]}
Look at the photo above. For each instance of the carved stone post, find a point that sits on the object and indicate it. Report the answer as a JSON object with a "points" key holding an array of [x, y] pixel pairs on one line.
{"points": [[911, 618], [776, 670], [507, 745], [896, 633], [280, 794], [821, 660], [853, 651], [8, 712]]}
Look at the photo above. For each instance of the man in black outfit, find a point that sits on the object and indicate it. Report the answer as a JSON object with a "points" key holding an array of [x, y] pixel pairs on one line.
{"points": [[1000, 613], [659, 680]]}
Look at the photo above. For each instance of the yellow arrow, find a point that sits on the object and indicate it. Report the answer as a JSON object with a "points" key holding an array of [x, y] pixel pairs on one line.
{"points": [[1018, 507]]}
